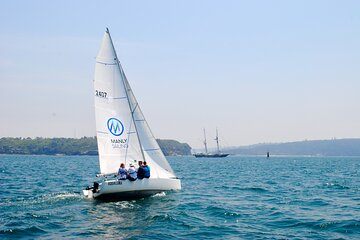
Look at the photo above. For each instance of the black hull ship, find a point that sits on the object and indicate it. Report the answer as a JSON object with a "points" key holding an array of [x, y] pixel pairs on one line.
{"points": [[209, 155], [218, 154]]}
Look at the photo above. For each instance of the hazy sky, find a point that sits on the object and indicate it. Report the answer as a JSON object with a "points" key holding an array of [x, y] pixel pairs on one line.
{"points": [[260, 71]]}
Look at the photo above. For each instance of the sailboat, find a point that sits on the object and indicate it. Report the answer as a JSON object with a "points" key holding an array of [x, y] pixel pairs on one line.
{"points": [[206, 154], [123, 135]]}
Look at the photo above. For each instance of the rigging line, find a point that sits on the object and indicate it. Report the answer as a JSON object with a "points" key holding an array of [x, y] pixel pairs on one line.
{"points": [[126, 151], [127, 95], [162, 158], [126, 84], [164, 163], [137, 104], [144, 120]]}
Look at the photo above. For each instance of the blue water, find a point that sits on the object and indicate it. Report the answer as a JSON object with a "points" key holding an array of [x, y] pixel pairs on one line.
{"points": [[230, 198]]}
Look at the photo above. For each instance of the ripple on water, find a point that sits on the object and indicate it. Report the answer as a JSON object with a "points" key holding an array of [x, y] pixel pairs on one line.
{"points": [[32, 231], [44, 198], [277, 198], [344, 226], [159, 195], [335, 185], [125, 205]]}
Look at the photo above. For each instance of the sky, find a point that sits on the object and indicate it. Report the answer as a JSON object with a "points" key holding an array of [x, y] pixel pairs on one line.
{"points": [[259, 71]]}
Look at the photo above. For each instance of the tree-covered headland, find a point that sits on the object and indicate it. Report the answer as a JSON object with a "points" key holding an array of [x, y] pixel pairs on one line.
{"points": [[74, 146]]}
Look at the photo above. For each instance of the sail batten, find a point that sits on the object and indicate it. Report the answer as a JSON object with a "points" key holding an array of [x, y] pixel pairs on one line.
{"points": [[118, 97], [154, 149], [106, 63]]}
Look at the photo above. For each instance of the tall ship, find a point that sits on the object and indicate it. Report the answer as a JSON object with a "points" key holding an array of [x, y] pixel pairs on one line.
{"points": [[206, 154], [123, 135]]}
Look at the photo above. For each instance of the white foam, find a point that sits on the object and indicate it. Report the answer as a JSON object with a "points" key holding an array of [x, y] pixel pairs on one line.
{"points": [[161, 194], [124, 205]]}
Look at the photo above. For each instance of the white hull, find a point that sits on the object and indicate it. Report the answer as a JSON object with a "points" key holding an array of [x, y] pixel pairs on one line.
{"points": [[125, 189]]}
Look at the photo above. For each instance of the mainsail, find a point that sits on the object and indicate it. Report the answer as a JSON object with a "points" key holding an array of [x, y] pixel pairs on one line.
{"points": [[123, 134]]}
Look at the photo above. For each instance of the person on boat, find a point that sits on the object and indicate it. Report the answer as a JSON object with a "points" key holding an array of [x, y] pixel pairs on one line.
{"points": [[140, 163], [132, 175], [146, 170], [140, 171], [122, 173]]}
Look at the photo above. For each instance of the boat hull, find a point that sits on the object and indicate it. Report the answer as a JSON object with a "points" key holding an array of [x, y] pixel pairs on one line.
{"points": [[114, 190], [217, 155]]}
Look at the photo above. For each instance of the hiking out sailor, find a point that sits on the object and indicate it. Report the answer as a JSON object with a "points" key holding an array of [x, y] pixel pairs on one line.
{"points": [[122, 173], [146, 170], [132, 175], [140, 170]]}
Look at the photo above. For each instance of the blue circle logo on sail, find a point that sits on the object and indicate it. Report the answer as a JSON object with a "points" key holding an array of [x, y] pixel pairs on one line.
{"points": [[115, 126]]}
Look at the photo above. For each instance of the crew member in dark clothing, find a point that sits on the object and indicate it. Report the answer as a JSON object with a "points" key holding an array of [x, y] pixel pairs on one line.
{"points": [[146, 169], [140, 171]]}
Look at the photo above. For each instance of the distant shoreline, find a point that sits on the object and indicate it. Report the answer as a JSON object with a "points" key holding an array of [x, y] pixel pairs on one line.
{"points": [[45, 155], [321, 148], [86, 146], [277, 156]]}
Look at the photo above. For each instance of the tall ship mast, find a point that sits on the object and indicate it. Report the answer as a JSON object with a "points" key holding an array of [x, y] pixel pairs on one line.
{"points": [[205, 144], [206, 154]]}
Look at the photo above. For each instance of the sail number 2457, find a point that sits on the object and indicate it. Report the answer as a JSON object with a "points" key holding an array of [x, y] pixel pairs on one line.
{"points": [[100, 94]]}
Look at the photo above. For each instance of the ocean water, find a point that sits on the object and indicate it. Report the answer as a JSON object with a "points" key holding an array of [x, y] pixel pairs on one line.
{"points": [[229, 198]]}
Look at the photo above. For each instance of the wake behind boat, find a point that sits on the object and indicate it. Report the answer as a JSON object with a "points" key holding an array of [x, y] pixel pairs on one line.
{"points": [[123, 135], [206, 154]]}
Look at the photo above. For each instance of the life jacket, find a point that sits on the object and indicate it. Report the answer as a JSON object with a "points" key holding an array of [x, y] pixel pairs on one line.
{"points": [[146, 171]]}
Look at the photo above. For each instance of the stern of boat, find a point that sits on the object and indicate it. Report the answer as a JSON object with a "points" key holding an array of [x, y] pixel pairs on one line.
{"points": [[88, 193], [125, 189]]}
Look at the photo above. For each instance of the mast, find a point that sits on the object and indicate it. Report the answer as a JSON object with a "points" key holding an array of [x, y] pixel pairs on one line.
{"points": [[217, 141], [127, 95], [206, 149]]}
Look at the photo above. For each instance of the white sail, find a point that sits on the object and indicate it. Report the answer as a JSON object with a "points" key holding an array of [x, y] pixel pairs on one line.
{"points": [[122, 132], [152, 152]]}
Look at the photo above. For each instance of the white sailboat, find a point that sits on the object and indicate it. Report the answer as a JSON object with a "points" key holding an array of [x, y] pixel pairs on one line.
{"points": [[123, 135]]}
